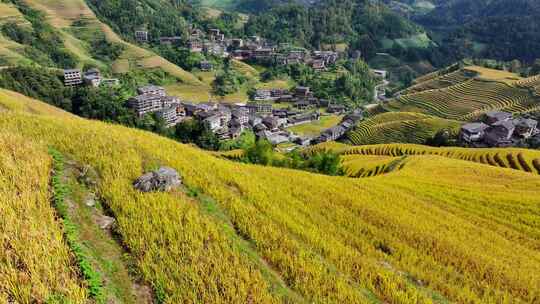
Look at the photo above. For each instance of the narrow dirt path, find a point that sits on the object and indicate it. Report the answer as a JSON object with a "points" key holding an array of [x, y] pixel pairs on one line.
{"points": [[104, 251]]}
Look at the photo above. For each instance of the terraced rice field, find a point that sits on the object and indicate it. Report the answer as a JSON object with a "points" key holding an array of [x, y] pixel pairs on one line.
{"points": [[371, 165], [36, 265], [440, 82], [531, 83], [493, 74], [467, 100], [399, 127], [440, 230], [516, 159]]}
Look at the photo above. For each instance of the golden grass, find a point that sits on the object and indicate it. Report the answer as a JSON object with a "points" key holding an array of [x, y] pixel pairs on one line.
{"points": [[35, 263], [439, 230]]}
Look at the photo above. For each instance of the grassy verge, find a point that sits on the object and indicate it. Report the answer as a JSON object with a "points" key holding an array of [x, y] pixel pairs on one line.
{"points": [[60, 190]]}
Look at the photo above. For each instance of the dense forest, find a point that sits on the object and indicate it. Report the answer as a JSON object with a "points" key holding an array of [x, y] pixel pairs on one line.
{"points": [[356, 23], [498, 29]]}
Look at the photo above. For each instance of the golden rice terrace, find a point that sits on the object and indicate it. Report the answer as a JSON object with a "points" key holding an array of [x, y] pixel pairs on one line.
{"points": [[436, 226]]}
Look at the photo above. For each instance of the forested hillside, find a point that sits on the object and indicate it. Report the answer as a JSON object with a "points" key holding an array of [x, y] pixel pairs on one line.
{"points": [[358, 24], [499, 29]]}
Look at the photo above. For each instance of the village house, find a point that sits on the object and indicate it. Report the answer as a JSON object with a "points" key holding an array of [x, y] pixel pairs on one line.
{"points": [[332, 134], [279, 93], [195, 33], [169, 100], [241, 54], [494, 117], [212, 48], [303, 104], [303, 141], [195, 46], [92, 77], [207, 106], [235, 130], [141, 36], [225, 115], [170, 40], [302, 92], [213, 33], [285, 98], [241, 116], [473, 132], [263, 54], [318, 65], [500, 134], [237, 43], [328, 57], [303, 118], [525, 127], [380, 73], [211, 119], [271, 122], [355, 116], [72, 77], [110, 82], [254, 120], [145, 103], [171, 114], [335, 108], [259, 108], [259, 127], [275, 138], [262, 95], [206, 66], [152, 89]]}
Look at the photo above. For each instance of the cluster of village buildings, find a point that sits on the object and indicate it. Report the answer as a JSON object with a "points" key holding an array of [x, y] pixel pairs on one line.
{"points": [[499, 129], [228, 121], [92, 77], [255, 49]]}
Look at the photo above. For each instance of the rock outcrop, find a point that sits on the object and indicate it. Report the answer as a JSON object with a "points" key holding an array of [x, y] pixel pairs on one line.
{"points": [[163, 179]]}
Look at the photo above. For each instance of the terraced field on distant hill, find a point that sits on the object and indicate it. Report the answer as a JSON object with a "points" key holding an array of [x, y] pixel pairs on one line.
{"points": [[399, 127], [437, 230], [512, 158], [469, 99], [442, 81], [532, 83]]}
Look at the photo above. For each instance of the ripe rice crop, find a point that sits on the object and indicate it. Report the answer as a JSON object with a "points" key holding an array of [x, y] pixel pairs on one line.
{"points": [[36, 265], [440, 82], [467, 100], [439, 230], [397, 127], [517, 159]]}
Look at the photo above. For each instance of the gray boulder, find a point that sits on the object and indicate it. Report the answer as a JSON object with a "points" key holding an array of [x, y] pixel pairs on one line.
{"points": [[106, 222], [163, 179]]}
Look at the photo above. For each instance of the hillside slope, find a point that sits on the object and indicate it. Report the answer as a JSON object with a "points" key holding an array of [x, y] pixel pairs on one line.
{"points": [[79, 29], [439, 230]]}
